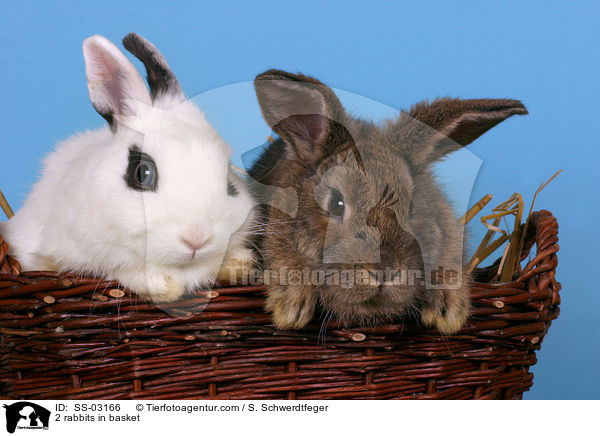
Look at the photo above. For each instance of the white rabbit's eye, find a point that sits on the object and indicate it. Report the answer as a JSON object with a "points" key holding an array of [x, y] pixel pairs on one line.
{"points": [[141, 172], [144, 174], [336, 204]]}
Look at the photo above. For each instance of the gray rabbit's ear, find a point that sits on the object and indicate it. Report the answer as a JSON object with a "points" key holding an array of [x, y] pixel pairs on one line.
{"points": [[455, 123], [113, 82], [298, 108], [160, 77]]}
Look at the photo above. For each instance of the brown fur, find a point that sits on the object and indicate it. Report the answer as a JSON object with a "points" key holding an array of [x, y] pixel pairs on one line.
{"points": [[395, 214]]}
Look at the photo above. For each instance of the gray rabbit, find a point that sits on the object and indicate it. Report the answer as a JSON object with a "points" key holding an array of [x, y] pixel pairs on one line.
{"points": [[367, 203]]}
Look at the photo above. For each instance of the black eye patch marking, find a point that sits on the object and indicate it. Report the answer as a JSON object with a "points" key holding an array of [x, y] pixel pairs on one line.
{"points": [[141, 174], [231, 189]]}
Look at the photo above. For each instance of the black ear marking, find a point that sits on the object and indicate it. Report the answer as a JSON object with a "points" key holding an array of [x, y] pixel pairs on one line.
{"points": [[160, 77], [110, 119]]}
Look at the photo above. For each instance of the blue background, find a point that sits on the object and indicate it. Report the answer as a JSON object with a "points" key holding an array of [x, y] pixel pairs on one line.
{"points": [[543, 53]]}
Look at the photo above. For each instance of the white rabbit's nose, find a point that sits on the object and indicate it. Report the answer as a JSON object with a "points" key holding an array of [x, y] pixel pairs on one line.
{"points": [[195, 241]]}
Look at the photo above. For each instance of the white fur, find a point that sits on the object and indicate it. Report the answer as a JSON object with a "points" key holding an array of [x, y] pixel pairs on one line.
{"points": [[82, 217]]}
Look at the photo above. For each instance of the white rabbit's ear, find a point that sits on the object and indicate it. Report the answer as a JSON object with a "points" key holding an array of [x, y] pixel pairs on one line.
{"points": [[113, 81]]}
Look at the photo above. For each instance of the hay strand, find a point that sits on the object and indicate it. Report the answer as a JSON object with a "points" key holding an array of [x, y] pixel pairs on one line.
{"points": [[542, 186], [512, 256], [468, 216], [5, 206]]}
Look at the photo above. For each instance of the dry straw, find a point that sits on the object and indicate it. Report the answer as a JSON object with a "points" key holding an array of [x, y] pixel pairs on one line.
{"points": [[513, 206]]}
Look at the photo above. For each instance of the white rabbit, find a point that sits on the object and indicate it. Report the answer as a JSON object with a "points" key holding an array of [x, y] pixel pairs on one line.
{"points": [[150, 200]]}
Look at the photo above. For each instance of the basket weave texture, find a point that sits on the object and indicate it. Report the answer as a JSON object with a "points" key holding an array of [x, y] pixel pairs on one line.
{"points": [[63, 337]]}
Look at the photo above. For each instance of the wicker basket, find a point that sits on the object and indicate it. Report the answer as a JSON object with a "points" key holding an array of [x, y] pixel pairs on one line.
{"points": [[77, 338]]}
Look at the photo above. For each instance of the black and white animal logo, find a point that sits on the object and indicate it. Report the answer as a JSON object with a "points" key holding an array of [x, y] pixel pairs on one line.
{"points": [[25, 414]]}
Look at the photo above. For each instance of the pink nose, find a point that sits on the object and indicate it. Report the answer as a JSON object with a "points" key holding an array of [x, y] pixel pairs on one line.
{"points": [[194, 242]]}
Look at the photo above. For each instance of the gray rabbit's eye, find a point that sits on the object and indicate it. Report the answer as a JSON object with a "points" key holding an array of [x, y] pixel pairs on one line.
{"points": [[142, 174], [336, 204]]}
